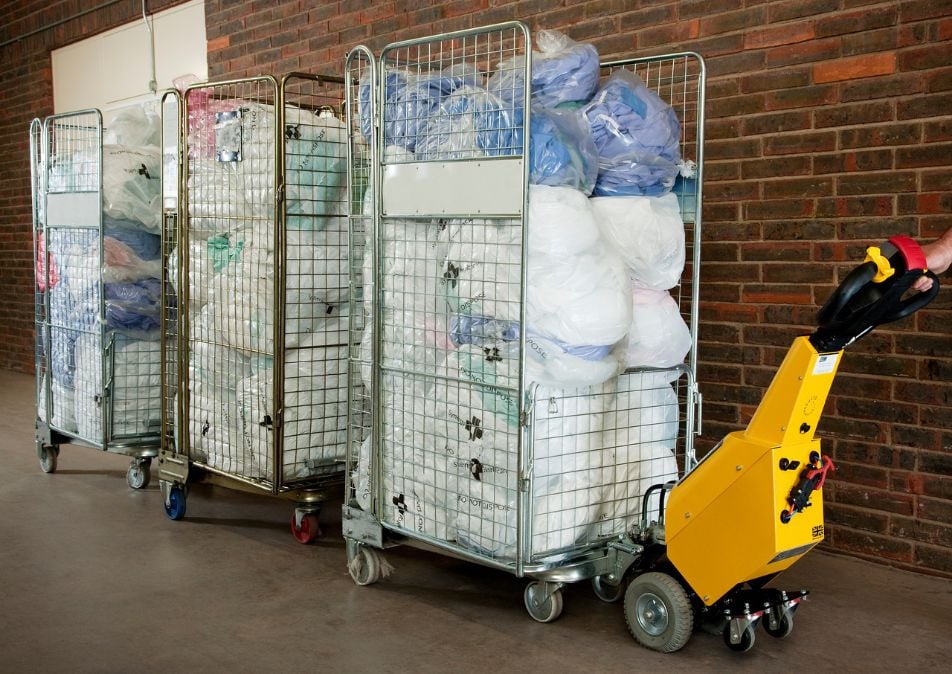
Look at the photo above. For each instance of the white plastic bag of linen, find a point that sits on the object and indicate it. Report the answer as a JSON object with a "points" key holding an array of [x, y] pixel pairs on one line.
{"points": [[563, 71], [469, 418], [639, 437], [243, 290], [135, 391], [134, 126], [215, 430], [658, 337], [578, 303], [315, 158], [577, 294], [566, 486], [130, 182], [315, 419], [648, 233]]}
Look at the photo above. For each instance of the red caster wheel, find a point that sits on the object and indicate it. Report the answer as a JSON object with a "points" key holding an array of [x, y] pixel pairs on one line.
{"points": [[308, 531]]}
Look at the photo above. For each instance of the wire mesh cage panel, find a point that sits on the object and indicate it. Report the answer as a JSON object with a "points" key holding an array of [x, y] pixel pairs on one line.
{"points": [[263, 290], [41, 260], [360, 78], [171, 137], [679, 80]]}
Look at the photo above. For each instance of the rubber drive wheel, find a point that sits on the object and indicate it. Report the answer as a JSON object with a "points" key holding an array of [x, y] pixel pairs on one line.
{"points": [[658, 612], [364, 568]]}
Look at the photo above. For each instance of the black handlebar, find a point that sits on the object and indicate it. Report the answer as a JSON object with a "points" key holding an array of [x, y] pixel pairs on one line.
{"points": [[860, 303]]}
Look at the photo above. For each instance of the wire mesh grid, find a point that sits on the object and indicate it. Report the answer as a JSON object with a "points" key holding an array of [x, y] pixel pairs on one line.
{"points": [[102, 285], [171, 114], [265, 285], [41, 258], [679, 81], [456, 98], [360, 76], [450, 292]]}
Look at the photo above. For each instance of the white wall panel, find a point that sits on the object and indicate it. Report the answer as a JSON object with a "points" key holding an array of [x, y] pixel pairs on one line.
{"points": [[113, 69]]}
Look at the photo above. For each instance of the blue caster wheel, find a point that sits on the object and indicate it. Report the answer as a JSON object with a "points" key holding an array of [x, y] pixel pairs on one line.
{"points": [[175, 507]]}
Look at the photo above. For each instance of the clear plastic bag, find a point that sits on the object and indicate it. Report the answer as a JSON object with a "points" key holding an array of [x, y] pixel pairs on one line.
{"points": [[130, 182], [562, 151], [563, 71], [134, 126], [637, 136]]}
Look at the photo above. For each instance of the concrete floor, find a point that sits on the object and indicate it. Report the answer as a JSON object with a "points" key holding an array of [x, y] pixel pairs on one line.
{"points": [[94, 577]]}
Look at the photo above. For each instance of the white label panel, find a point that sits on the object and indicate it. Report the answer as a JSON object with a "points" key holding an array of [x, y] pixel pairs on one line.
{"points": [[826, 363], [73, 209], [483, 187]]}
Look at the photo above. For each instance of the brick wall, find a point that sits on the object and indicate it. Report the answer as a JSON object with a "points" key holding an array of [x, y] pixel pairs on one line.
{"points": [[828, 129], [28, 34]]}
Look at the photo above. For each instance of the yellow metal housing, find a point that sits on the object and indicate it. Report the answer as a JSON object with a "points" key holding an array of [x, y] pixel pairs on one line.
{"points": [[723, 524]]}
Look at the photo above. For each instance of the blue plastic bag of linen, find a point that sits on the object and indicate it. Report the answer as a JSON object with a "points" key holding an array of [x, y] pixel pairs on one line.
{"points": [[412, 98], [637, 136], [563, 71], [471, 122], [561, 150]]}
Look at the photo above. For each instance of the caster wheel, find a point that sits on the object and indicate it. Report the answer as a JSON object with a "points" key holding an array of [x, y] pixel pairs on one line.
{"points": [[309, 530], [139, 474], [365, 567], [747, 638], [784, 624], [48, 456], [175, 508], [606, 592], [542, 608], [658, 612]]}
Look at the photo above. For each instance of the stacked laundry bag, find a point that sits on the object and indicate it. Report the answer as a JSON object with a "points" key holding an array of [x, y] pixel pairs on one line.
{"points": [[104, 288], [232, 300], [605, 243]]}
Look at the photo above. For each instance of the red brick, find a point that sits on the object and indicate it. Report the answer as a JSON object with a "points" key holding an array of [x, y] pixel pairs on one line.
{"points": [[807, 52], [855, 68], [879, 135], [777, 294], [776, 166], [779, 209], [916, 10], [779, 35], [731, 21], [219, 43], [775, 123], [853, 207], [804, 97], [800, 143], [795, 9], [882, 546], [797, 187]]}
